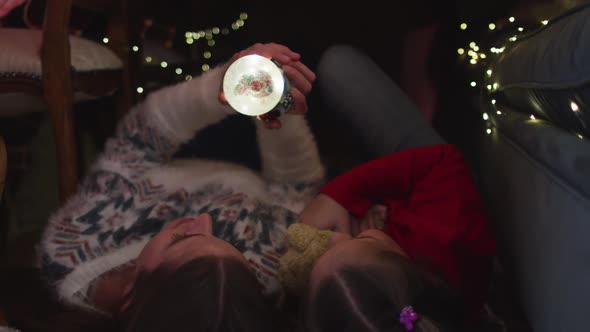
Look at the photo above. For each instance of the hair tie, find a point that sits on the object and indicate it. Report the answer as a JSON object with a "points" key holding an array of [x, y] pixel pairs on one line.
{"points": [[407, 317]]}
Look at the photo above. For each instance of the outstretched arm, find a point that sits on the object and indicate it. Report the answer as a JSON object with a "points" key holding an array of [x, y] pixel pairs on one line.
{"points": [[153, 131], [288, 149], [289, 154], [169, 117], [401, 175]]}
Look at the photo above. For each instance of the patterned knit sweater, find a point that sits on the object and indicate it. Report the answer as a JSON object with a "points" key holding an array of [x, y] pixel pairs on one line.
{"points": [[135, 187]]}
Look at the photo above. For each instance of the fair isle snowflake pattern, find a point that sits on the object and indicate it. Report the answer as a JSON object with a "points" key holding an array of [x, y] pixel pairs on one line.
{"points": [[257, 230]]}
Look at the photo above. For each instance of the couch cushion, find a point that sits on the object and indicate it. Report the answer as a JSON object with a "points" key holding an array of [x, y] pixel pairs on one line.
{"points": [[20, 53], [536, 185], [547, 72]]}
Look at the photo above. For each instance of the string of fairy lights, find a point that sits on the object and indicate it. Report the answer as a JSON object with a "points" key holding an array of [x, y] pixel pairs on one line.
{"points": [[481, 57], [202, 42]]}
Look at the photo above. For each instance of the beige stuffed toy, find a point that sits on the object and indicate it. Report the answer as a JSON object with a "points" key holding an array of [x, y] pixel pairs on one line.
{"points": [[306, 245]]}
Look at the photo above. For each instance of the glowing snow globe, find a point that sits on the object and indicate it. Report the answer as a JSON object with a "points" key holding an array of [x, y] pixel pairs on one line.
{"points": [[256, 86]]}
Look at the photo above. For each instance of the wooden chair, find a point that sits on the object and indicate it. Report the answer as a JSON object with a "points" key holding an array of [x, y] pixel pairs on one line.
{"points": [[62, 69], [3, 166], [3, 169]]}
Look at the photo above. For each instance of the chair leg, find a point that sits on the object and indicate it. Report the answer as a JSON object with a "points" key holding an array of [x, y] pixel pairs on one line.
{"points": [[3, 319], [65, 148], [4, 221], [3, 166]]}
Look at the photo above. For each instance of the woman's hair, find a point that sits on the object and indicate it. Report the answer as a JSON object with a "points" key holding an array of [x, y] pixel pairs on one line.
{"points": [[370, 297], [206, 294], [32, 306]]}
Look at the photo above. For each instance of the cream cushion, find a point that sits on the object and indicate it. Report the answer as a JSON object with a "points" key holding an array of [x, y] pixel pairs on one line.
{"points": [[19, 55]]}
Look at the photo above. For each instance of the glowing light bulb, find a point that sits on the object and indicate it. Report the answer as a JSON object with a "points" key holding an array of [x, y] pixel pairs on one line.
{"points": [[473, 84], [492, 26], [521, 29], [544, 22], [498, 112], [488, 131], [139, 89], [489, 72], [463, 26], [574, 106], [493, 101], [135, 48], [163, 64], [533, 117], [486, 116], [511, 19], [148, 59], [178, 71], [461, 51], [105, 40]]}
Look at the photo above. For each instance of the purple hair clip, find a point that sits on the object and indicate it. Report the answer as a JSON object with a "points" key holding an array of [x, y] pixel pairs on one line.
{"points": [[407, 317]]}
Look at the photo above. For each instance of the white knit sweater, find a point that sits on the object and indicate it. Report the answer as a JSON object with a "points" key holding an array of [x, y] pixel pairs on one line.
{"points": [[135, 187]]}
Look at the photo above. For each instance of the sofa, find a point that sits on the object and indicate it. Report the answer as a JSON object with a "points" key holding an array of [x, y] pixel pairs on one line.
{"points": [[535, 167]]}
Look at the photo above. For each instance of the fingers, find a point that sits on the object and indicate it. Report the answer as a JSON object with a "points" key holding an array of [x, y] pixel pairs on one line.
{"points": [[286, 55], [221, 98], [300, 103], [304, 70], [280, 53], [297, 79], [355, 226]]}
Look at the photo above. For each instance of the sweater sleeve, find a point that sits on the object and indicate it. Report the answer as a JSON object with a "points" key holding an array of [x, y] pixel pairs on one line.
{"points": [[393, 176], [153, 131], [434, 183], [289, 154]]}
